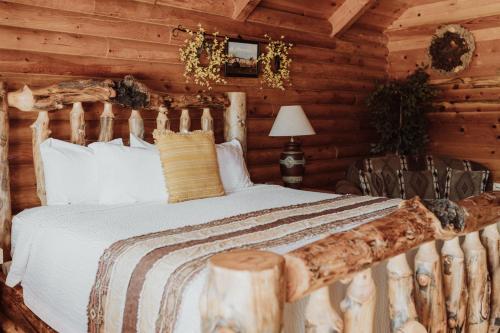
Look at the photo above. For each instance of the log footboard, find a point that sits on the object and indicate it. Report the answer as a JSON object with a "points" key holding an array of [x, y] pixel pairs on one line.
{"points": [[454, 290]]}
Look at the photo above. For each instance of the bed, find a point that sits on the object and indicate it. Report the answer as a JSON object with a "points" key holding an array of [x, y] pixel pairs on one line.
{"points": [[143, 267]]}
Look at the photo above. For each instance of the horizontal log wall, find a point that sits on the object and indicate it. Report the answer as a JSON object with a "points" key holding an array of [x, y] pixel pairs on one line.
{"points": [[468, 122], [47, 41]]}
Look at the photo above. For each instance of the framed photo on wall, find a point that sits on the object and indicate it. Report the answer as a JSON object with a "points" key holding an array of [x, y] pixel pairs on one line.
{"points": [[242, 58]]}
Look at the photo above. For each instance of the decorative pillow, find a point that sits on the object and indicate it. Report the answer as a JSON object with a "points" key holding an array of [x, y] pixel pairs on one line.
{"points": [[372, 183], [462, 184], [421, 183], [388, 167], [128, 174], [232, 168], [71, 172], [441, 164], [190, 165]]}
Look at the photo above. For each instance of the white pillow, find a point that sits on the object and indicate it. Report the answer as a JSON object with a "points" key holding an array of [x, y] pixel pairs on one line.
{"points": [[232, 168], [70, 172], [128, 174]]}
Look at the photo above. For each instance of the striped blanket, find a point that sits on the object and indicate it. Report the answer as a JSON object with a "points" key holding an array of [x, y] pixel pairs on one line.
{"points": [[152, 270]]}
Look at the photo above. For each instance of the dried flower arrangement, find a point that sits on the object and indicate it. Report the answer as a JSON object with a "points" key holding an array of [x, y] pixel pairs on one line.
{"points": [[276, 63], [193, 50]]}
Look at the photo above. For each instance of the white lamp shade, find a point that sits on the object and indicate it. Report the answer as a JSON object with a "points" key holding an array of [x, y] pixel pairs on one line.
{"points": [[291, 121]]}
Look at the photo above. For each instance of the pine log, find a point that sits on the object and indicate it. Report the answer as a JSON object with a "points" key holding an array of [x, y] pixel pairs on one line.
{"points": [[400, 280], [244, 292], [235, 117], [336, 256], [429, 297], [40, 132], [162, 121], [321, 317], [200, 101], [185, 123], [207, 122], [77, 123], [5, 201], [478, 284], [491, 241], [128, 92], [106, 123], [412, 327], [454, 284], [54, 97], [359, 304], [136, 124]]}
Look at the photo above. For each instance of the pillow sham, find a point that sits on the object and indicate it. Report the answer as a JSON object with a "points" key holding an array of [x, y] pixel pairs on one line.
{"points": [[462, 184], [421, 183], [71, 173], [190, 165], [128, 174], [232, 168]]}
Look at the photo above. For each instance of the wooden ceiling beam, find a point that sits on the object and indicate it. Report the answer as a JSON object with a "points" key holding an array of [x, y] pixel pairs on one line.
{"points": [[347, 14], [243, 9]]}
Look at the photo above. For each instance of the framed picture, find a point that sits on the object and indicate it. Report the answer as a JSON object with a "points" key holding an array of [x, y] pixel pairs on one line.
{"points": [[242, 58]]}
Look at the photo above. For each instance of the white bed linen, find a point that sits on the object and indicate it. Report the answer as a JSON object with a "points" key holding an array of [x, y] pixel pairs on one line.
{"points": [[56, 249]]}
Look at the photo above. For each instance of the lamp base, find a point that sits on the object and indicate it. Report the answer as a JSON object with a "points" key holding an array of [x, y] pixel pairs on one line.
{"points": [[292, 165]]}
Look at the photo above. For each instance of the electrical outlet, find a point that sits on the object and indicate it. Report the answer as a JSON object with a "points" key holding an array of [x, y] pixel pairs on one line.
{"points": [[496, 187]]}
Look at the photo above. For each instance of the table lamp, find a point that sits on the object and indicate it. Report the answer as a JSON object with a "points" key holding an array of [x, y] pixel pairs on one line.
{"points": [[292, 121]]}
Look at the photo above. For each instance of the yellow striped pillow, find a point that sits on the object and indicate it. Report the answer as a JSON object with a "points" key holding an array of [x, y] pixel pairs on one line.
{"points": [[189, 165]]}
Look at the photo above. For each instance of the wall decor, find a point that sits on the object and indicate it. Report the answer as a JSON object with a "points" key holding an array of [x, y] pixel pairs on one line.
{"points": [[276, 63], [451, 49], [203, 56], [242, 58]]}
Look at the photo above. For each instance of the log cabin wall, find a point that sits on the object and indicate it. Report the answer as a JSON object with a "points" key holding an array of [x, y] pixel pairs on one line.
{"points": [[47, 41], [468, 122]]}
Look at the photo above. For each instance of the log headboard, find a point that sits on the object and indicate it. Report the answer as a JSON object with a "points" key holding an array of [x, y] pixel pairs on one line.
{"points": [[91, 108]]}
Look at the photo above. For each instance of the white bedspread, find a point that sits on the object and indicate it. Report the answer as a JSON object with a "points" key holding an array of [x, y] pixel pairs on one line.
{"points": [[56, 249]]}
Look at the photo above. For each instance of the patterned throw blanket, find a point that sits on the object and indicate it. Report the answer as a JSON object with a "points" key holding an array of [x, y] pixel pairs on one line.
{"points": [[140, 281]]}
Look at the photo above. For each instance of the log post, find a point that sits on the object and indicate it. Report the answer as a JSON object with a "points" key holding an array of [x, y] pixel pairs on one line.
{"points": [[400, 281], [77, 123], [454, 285], [359, 304], [429, 297], [5, 207], [244, 292], [106, 123], [40, 132], [235, 117], [321, 317], [412, 327], [136, 124], [478, 284], [162, 121], [491, 240], [207, 122], [185, 121]]}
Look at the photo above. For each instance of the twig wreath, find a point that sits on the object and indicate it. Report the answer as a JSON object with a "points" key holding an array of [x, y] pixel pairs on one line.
{"points": [[451, 49], [198, 46], [276, 63], [211, 48]]}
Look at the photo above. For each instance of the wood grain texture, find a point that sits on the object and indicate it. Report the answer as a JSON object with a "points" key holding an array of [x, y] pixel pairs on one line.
{"points": [[413, 224], [77, 123], [5, 198], [473, 91], [106, 127], [347, 14], [491, 241], [320, 315], [40, 132], [243, 9]]}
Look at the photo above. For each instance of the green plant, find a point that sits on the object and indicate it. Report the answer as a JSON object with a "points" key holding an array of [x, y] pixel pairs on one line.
{"points": [[398, 110]]}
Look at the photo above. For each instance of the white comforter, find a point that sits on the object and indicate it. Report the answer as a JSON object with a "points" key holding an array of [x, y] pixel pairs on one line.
{"points": [[56, 249]]}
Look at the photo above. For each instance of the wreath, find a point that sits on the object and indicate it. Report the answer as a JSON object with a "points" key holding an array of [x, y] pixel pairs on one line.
{"points": [[451, 49], [276, 63], [203, 58]]}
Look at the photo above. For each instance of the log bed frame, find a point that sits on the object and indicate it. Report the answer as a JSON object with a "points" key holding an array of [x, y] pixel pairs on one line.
{"points": [[455, 291]]}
